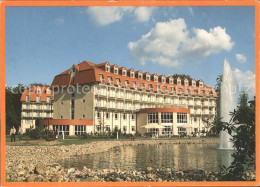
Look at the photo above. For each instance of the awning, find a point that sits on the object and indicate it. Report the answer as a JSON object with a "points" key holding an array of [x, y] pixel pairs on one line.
{"points": [[153, 126], [186, 126]]}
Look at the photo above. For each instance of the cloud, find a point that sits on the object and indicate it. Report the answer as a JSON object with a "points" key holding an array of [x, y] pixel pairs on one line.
{"points": [[171, 43], [241, 58], [244, 81], [143, 13], [59, 21], [107, 15]]}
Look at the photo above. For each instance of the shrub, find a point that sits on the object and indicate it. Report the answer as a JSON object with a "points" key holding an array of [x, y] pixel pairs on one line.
{"points": [[37, 133]]}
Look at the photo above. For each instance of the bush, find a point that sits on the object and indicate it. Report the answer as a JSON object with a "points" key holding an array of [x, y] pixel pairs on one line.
{"points": [[37, 133]]}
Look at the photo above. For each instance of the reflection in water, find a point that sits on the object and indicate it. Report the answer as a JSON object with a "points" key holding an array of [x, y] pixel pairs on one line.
{"points": [[178, 157]]}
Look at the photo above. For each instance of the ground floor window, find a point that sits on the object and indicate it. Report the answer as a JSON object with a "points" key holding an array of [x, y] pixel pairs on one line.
{"points": [[167, 130], [133, 128], [124, 128], [98, 128], [167, 117], [61, 128], [107, 128], [181, 117], [153, 131], [116, 127], [80, 129], [181, 130], [152, 117]]}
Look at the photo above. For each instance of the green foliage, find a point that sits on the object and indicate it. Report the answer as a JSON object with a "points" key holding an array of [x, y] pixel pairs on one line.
{"points": [[217, 125], [37, 133], [217, 89], [243, 126], [38, 84], [13, 106], [182, 76]]}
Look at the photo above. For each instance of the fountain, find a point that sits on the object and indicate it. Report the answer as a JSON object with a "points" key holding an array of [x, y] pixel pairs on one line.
{"points": [[227, 104]]}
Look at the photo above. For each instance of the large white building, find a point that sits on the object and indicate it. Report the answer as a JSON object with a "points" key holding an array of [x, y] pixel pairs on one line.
{"points": [[92, 97], [37, 103]]}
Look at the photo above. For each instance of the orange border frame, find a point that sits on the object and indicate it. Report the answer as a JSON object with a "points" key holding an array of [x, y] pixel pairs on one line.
{"points": [[8, 3]]}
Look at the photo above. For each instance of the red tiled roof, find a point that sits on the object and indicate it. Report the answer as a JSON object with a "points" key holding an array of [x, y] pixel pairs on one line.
{"points": [[66, 122], [89, 73], [32, 92]]}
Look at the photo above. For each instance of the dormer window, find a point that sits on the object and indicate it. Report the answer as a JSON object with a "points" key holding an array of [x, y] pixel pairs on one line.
{"points": [[155, 78], [107, 68], [48, 91], [201, 84], [193, 83], [171, 80], [38, 90], [163, 79], [124, 72], [73, 69], [101, 77], [178, 81], [109, 79], [38, 99], [140, 76], [116, 71], [134, 84], [132, 74], [126, 82], [186, 83], [157, 87], [118, 81], [27, 98], [148, 77]]}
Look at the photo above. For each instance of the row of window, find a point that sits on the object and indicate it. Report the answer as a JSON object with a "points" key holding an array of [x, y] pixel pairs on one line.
{"points": [[166, 117], [37, 106], [147, 76], [38, 99], [107, 128], [115, 116], [38, 114], [158, 87]]}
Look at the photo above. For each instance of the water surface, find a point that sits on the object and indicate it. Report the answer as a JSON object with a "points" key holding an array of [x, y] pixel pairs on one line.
{"points": [[139, 157]]}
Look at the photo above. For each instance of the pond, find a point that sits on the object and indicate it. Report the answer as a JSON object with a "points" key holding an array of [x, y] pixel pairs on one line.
{"points": [[177, 156]]}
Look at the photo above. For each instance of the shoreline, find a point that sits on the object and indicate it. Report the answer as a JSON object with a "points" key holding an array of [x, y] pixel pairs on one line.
{"points": [[22, 161]]}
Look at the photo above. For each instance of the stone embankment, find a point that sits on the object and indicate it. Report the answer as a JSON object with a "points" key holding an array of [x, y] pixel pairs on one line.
{"points": [[39, 163]]}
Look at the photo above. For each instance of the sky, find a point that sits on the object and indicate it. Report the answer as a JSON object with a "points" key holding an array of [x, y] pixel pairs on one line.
{"points": [[42, 42]]}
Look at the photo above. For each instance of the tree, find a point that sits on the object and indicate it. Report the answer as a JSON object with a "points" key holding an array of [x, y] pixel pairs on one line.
{"points": [[217, 124], [242, 124], [217, 88], [13, 106], [182, 76]]}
